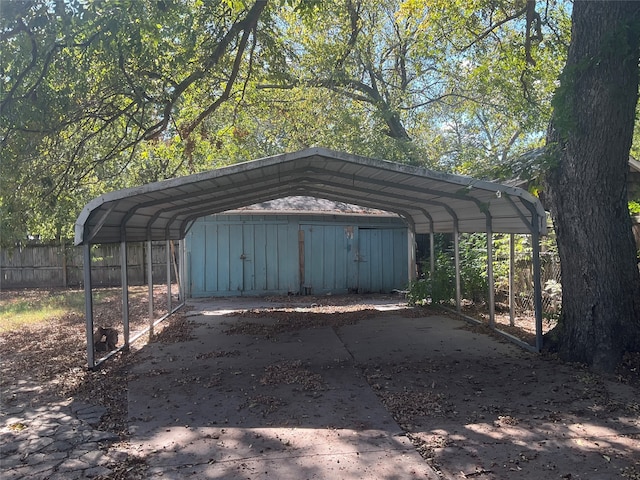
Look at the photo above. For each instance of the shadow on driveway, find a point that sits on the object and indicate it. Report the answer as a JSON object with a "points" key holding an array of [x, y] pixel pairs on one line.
{"points": [[353, 399]]}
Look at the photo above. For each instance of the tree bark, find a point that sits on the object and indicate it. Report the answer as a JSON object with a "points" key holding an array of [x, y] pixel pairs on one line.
{"points": [[588, 145]]}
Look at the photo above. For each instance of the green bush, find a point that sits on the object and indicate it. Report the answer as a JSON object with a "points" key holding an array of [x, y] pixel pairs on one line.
{"points": [[442, 287], [473, 267], [419, 292]]}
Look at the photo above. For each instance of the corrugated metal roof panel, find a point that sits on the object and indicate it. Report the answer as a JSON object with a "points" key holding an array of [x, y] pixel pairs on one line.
{"points": [[428, 200]]}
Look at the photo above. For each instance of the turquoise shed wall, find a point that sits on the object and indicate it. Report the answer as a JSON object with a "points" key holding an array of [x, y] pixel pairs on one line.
{"points": [[296, 254]]}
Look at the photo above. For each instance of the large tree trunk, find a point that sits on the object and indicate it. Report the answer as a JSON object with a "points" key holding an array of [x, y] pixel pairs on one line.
{"points": [[586, 187]]}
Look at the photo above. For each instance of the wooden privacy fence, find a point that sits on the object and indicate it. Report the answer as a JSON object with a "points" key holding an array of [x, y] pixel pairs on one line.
{"points": [[47, 266]]}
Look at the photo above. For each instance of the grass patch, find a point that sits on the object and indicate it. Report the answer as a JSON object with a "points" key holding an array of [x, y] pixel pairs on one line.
{"points": [[30, 307]]}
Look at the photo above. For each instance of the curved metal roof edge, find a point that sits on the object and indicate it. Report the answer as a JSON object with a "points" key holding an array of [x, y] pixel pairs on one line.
{"points": [[532, 203]]}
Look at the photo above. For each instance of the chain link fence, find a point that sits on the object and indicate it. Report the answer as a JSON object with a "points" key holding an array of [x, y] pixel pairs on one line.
{"points": [[550, 273], [550, 277]]}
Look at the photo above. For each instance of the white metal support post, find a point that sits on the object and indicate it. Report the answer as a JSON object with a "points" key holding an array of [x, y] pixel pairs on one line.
{"points": [[411, 245], [456, 253], [181, 271], [124, 274], [150, 283], [490, 280], [168, 248], [512, 303], [88, 304], [432, 256], [186, 270]]}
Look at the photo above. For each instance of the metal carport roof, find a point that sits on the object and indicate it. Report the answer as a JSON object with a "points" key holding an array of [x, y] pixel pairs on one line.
{"points": [[430, 201]]}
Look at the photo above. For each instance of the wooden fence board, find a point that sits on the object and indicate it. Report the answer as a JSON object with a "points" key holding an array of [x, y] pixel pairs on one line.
{"points": [[47, 266]]}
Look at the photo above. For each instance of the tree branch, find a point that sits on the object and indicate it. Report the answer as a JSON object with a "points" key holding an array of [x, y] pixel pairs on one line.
{"points": [[533, 18], [510, 142], [32, 64], [354, 19], [489, 30], [228, 87], [244, 25]]}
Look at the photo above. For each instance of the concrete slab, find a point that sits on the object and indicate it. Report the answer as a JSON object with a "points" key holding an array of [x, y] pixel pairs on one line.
{"points": [[293, 406], [397, 337]]}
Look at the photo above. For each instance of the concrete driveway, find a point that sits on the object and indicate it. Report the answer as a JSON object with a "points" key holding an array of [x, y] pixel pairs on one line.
{"points": [[295, 405]]}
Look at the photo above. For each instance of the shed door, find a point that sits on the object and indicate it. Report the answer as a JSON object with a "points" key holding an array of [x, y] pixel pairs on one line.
{"points": [[215, 262], [327, 259], [236, 258], [339, 259], [382, 259]]}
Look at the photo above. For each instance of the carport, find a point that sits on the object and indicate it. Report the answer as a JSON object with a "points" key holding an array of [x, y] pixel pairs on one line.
{"points": [[429, 202]]}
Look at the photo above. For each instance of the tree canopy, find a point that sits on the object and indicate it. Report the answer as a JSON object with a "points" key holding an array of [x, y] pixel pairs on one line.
{"points": [[108, 94]]}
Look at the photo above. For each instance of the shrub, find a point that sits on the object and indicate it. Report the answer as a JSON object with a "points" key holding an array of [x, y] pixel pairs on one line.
{"points": [[440, 288]]}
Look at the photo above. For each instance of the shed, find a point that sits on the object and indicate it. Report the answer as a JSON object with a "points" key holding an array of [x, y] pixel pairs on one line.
{"points": [[298, 245]]}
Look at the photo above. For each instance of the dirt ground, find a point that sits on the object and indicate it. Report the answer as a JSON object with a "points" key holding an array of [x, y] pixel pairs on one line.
{"points": [[495, 416]]}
